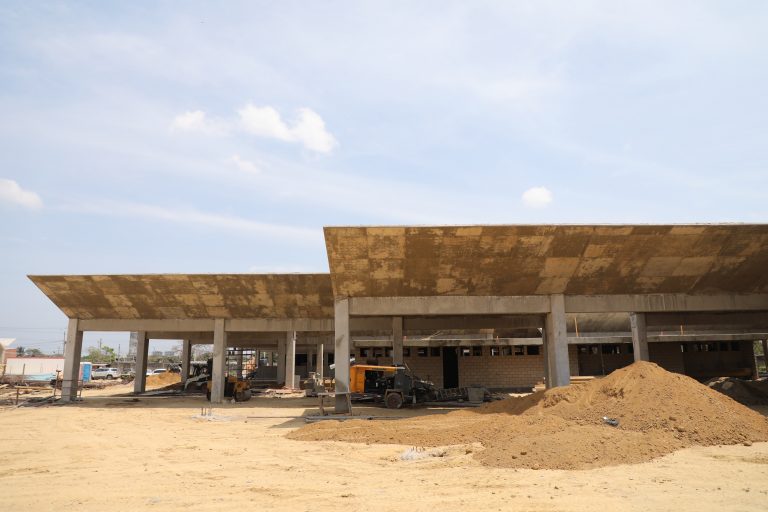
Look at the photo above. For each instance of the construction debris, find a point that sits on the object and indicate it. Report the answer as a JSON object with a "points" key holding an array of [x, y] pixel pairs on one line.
{"points": [[747, 392]]}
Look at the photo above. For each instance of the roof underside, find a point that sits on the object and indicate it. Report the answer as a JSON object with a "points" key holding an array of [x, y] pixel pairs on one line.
{"points": [[183, 296], [547, 259]]}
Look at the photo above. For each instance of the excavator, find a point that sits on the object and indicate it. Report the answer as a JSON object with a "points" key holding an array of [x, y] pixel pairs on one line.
{"points": [[396, 386]]}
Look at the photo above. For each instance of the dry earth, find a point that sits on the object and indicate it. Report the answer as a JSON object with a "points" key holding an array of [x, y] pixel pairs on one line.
{"points": [[113, 453]]}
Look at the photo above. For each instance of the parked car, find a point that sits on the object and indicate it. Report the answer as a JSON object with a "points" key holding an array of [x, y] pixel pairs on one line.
{"points": [[157, 371], [105, 373]]}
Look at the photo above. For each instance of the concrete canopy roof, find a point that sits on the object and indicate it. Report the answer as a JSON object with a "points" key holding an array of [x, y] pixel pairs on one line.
{"points": [[190, 296], [545, 259]]}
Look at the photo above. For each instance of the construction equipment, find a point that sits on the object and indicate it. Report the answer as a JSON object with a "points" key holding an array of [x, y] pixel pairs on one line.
{"points": [[396, 386], [235, 388]]}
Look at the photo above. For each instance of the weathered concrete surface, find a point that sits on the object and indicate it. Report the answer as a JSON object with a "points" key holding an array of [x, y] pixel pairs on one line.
{"points": [[72, 350], [639, 336], [548, 259], [190, 296]]}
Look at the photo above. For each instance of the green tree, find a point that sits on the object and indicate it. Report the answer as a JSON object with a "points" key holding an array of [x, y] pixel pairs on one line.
{"points": [[103, 355], [33, 352], [20, 351]]}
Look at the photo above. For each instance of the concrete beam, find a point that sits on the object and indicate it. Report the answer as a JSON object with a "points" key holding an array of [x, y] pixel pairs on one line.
{"points": [[556, 342], [142, 354], [290, 359], [639, 336], [744, 321], [448, 305], [105, 324], [640, 303], [397, 340], [279, 324], [471, 322], [219, 361], [341, 358], [71, 376]]}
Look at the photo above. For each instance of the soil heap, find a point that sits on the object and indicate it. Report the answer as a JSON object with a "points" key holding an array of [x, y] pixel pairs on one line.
{"points": [[563, 428], [747, 392], [163, 379]]}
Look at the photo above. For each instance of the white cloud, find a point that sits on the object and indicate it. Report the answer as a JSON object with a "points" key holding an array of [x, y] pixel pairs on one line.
{"points": [[243, 164], [308, 130], [537, 197], [197, 121], [11, 192]]}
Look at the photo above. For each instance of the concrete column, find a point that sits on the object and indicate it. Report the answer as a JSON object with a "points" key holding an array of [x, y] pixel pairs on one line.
{"points": [[639, 336], [280, 362], [142, 354], [397, 340], [71, 375], [320, 366], [310, 353], [765, 353], [545, 356], [186, 356], [556, 339], [341, 357], [219, 361], [290, 358]]}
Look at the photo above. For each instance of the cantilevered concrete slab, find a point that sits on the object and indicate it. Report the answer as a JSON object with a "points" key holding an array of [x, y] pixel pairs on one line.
{"points": [[190, 296], [519, 260]]}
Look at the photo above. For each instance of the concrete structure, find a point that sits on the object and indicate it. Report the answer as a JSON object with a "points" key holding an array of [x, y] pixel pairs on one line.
{"points": [[4, 344], [556, 291]]}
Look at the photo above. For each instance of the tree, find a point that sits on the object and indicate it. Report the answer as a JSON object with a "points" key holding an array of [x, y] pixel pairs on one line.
{"points": [[33, 352], [100, 355], [20, 351]]}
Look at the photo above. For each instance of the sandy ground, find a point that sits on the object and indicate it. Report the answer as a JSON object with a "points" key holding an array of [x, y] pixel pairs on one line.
{"points": [[114, 453]]}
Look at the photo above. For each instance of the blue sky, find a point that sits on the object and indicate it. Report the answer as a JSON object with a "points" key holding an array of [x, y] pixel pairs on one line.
{"points": [[193, 137]]}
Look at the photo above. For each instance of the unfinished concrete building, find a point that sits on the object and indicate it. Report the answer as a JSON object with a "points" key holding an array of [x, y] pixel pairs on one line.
{"points": [[499, 306]]}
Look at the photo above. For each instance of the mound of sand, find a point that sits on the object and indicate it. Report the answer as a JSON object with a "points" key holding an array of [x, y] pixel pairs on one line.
{"points": [[563, 428], [163, 379]]}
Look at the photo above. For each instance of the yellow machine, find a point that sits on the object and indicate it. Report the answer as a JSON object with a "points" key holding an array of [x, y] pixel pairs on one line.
{"points": [[396, 386], [240, 390], [364, 377]]}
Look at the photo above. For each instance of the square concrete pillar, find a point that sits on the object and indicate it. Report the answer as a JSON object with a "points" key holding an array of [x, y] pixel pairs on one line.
{"points": [[320, 366], [186, 356], [397, 340], [219, 361], [639, 336], [142, 354], [765, 354], [556, 340], [281, 346], [290, 359], [71, 376], [341, 357]]}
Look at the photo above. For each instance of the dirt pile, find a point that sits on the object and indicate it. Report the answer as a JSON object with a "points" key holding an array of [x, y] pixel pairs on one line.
{"points": [[658, 412], [747, 392], [163, 379]]}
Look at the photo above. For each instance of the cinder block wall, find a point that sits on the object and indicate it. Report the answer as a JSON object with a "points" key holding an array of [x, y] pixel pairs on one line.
{"points": [[429, 367]]}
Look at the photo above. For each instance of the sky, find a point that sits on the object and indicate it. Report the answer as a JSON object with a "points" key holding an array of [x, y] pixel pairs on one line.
{"points": [[196, 137]]}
